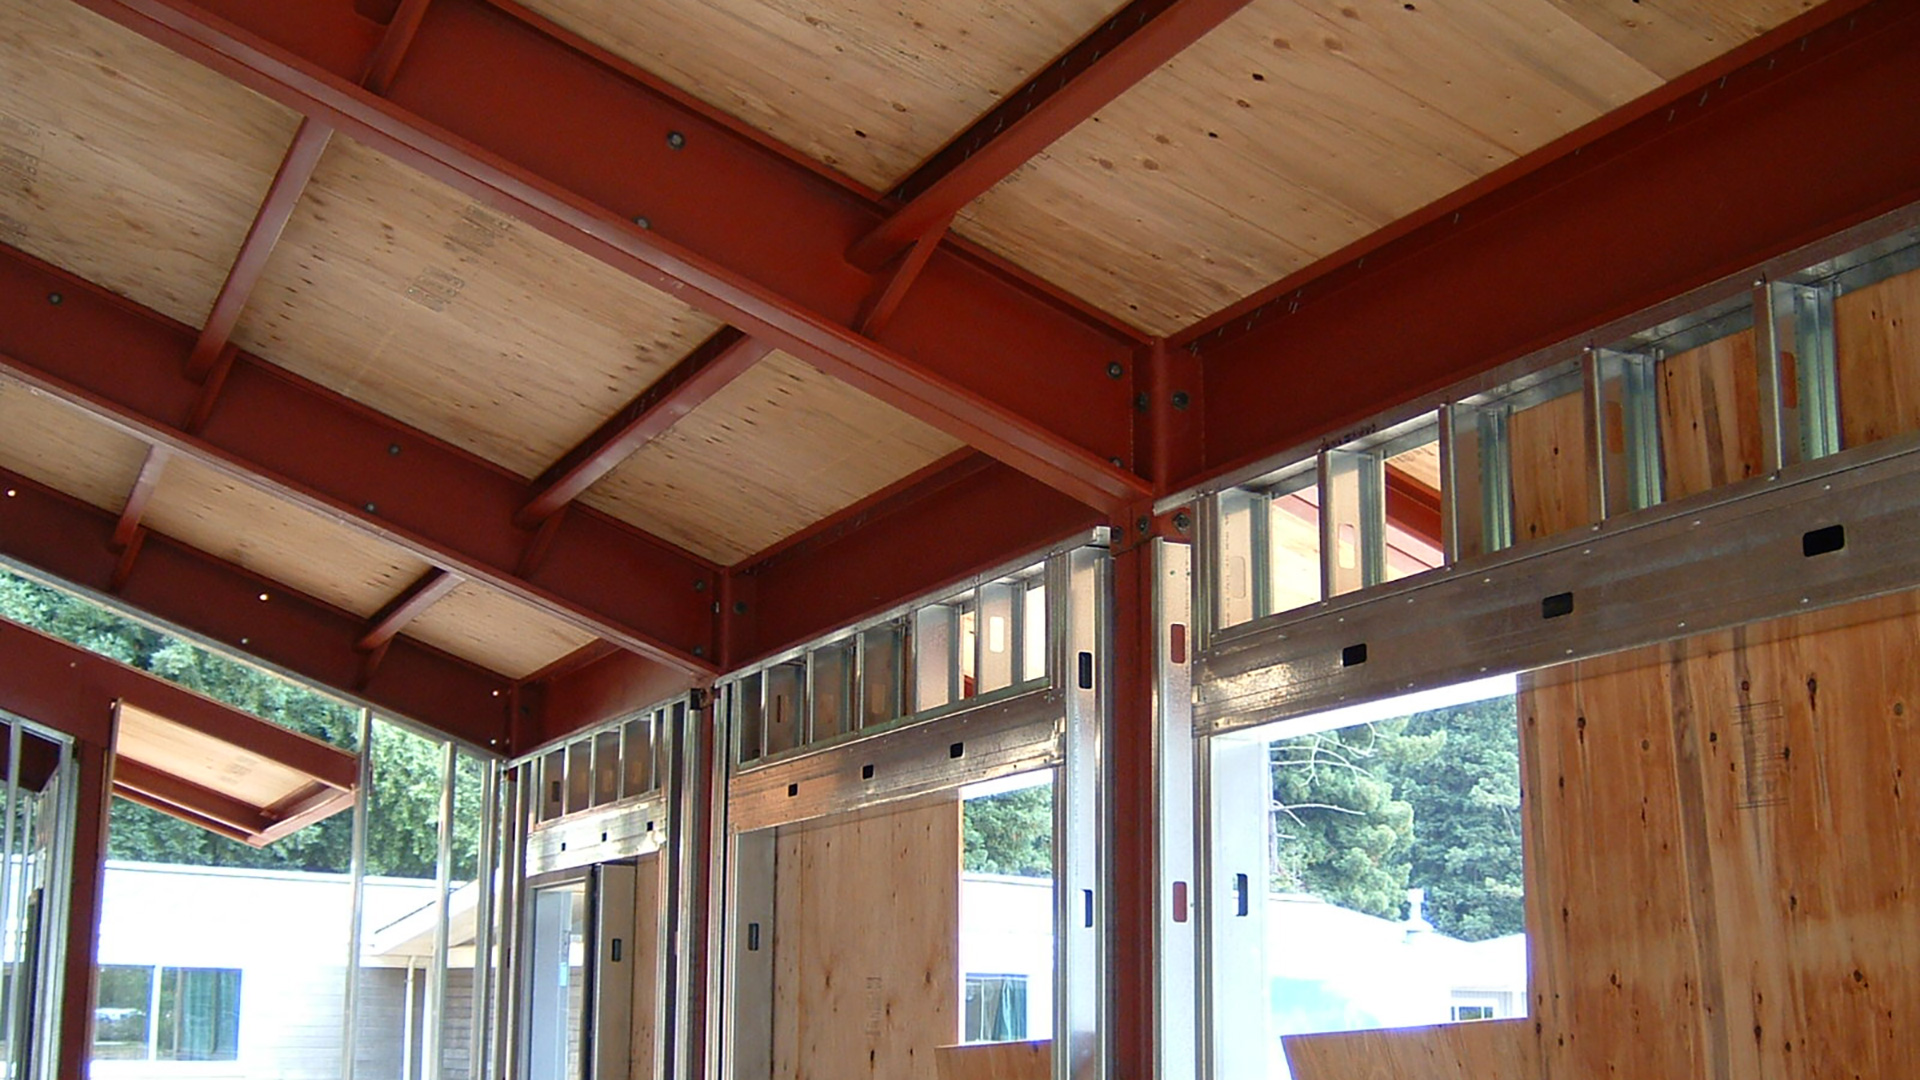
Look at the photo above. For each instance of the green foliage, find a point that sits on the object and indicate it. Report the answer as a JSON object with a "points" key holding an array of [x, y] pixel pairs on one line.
{"points": [[1466, 807], [403, 806], [1362, 813], [1009, 833]]}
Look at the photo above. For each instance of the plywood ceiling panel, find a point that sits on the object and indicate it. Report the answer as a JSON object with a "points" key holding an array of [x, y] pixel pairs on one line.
{"points": [[496, 631], [277, 539], [394, 290], [780, 448], [871, 89], [45, 440], [125, 163], [1296, 129], [177, 750]]}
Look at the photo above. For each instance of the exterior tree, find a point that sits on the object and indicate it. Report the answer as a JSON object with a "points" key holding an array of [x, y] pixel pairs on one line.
{"points": [[1010, 833]]}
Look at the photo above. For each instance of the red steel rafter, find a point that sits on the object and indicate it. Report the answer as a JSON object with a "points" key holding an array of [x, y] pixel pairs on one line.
{"points": [[363, 470], [1127, 48], [412, 602], [509, 115], [717, 362], [138, 498], [283, 195]]}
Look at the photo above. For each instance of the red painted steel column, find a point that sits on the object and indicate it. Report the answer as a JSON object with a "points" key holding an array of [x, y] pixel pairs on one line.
{"points": [[1134, 806], [84, 904]]}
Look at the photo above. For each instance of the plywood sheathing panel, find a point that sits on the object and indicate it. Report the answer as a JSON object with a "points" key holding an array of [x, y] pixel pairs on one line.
{"points": [[777, 450], [1297, 128], [866, 929], [1488, 1050], [1672, 37], [996, 1061], [277, 539], [125, 163], [1548, 443], [1877, 353], [1722, 849], [496, 631], [645, 965], [45, 440], [1709, 416], [393, 290], [870, 89]]}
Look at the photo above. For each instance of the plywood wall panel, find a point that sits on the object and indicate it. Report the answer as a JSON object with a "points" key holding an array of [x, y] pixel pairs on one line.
{"points": [[870, 89], [996, 1061], [775, 451], [1877, 353], [1289, 132], [1757, 778], [1487, 1050], [496, 631], [1611, 914], [125, 163], [278, 539], [44, 440], [646, 966], [866, 975], [392, 289], [1709, 401], [1549, 447]]}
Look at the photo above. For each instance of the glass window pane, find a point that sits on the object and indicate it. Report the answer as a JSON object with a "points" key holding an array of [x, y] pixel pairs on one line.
{"points": [[199, 1015], [122, 1017]]}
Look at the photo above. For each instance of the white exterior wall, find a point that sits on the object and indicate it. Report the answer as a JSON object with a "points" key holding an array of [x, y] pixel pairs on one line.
{"points": [[1006, 928]]}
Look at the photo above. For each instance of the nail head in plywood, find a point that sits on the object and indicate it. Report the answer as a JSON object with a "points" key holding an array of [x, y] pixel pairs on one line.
{"points": [[1877, 355], [46, 440], [393, 290], [1289, 132], [777, 450], [496, 631], [124, 162], [277, 539], [869, 89]]}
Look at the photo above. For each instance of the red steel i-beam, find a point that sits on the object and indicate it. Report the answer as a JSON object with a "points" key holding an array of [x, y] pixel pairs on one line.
{"points": [[1133, 44], [1802, 142], [412, 602], [703, 373], [119, 364], [509, 115], [138, 498], [283, 195]]}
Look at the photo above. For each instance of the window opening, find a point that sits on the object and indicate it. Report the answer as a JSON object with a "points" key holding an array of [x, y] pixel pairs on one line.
{"points": [[1387, 885]]}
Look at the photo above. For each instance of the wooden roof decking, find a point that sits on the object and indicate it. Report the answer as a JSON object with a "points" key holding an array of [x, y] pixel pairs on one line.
{"points": [[868, 89], [1296, 129], [1286, 134]]}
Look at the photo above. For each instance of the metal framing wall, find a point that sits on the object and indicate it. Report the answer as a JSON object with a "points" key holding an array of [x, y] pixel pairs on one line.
{"points": [[1057, 720]]}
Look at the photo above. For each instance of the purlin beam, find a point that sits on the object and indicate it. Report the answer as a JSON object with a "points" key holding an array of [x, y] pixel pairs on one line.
{"points": [[144, 486], [738, 231], [412, 602], [119, 364], [1137, 41], [283, 195], [700, 375]]}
